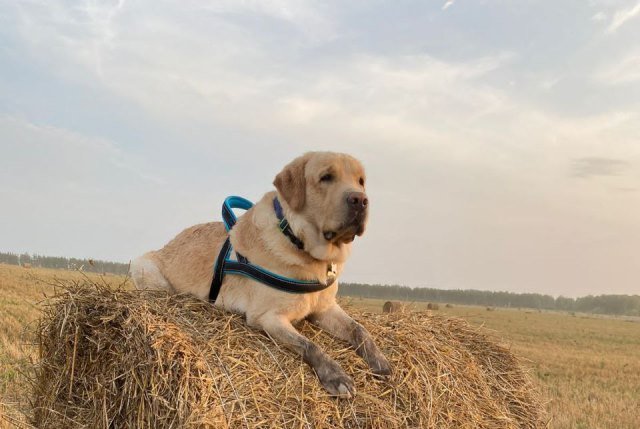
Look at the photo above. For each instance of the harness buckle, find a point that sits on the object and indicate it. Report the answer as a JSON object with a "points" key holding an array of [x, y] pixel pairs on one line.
{"points": [[332, 273]]}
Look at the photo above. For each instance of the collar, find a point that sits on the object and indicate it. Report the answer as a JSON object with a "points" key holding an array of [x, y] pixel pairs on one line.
{"points": [[284, 225]]}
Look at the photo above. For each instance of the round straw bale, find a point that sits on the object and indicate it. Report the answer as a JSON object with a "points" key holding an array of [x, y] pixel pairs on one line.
{"points": [[433, 306], [393, 307], [145, 359]]}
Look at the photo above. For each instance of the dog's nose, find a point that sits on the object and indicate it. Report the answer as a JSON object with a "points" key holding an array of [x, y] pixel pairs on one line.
{"points": [[357, 200]]}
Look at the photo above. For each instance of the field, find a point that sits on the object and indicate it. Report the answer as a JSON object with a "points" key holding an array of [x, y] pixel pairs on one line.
{"points": [[587, 366]]}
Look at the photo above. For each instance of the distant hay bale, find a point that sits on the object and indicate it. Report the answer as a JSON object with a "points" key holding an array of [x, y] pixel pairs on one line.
{"points": [[26, 265], [144, 359], [393, 307], [433, 306], [449, 305]]}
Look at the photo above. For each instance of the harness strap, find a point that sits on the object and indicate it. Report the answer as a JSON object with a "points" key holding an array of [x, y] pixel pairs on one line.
{"points": [[229, 217], [243, 267], [218, 271], [272, 279]]}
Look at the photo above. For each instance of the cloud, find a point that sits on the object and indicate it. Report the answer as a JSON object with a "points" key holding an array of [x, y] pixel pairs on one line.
{"points": [[308, 17], [45, 156], [624, 71], [144, 52], [595, 167], [448, 4], [626, 189], [405, 96], [622, 16]]}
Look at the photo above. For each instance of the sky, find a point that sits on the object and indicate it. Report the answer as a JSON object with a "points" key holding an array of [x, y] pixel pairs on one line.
{"points": [[501, 138]]}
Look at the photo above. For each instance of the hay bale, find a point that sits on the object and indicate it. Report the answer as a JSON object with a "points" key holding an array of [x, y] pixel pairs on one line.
{"points": [[148, 360], [433, 306], [449, 305], [393, 307]]}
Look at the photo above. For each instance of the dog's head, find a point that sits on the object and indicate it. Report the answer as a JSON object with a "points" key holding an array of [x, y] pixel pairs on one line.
{"points": [[325, 193]]}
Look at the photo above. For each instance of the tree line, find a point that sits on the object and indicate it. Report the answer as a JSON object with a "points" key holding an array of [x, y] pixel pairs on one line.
{"points": [[628, 305], [605, 304], [58, 262]]}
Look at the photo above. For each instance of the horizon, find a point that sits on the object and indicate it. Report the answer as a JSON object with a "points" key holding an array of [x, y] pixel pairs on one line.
{"points": [[502, 152], [32, 254]]}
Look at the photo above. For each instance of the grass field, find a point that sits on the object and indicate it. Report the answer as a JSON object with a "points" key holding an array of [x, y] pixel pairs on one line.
{"points": [[588, 367]]}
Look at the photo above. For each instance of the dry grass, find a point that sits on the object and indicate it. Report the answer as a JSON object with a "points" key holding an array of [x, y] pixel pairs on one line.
{"points": [[148, 360]]}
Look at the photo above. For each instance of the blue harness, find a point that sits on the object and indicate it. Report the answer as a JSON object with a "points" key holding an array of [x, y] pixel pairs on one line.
{"points": [[241, 266]]}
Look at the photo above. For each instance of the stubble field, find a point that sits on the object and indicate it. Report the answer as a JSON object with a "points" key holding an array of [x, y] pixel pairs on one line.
{"points": [[588, 367]]}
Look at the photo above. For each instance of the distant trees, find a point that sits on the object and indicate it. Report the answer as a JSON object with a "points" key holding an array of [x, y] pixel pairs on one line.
{"points": [[25, 258], [9, 258], [609, 304], [628, 305], [605, 304], [96, 266]]}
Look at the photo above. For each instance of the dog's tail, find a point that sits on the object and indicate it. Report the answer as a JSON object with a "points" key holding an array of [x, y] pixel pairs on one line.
{"points": [[147, 275]]}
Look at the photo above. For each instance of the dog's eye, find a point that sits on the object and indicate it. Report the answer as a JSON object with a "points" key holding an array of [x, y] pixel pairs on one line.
{"points": [[327, 177], [361, 181]]}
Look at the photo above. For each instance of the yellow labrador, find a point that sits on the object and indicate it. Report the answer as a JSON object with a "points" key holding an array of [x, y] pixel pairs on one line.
{"points": [[322, 195]]}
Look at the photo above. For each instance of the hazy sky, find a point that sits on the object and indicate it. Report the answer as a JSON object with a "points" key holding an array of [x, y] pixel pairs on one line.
{"points": [[501, 138]]}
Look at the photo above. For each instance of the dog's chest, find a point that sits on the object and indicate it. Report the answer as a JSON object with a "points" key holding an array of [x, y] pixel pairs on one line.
{"points": [[299, 307]]}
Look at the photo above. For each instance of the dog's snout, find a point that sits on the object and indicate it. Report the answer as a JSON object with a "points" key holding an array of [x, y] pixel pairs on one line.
{"points": [[357, 200]]}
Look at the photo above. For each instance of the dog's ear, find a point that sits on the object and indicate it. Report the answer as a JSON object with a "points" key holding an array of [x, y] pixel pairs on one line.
{"points": [[291, 183]]}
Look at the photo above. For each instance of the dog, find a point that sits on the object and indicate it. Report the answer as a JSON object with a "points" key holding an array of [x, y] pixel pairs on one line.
{"points": [[323, 198]]}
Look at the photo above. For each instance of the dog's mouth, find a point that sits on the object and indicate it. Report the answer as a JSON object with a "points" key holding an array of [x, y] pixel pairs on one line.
{"points": [[334, 237], [345, 233]]}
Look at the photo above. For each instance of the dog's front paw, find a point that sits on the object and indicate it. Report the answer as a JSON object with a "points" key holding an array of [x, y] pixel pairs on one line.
{"points": [[339, 384], [380, 366]]}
